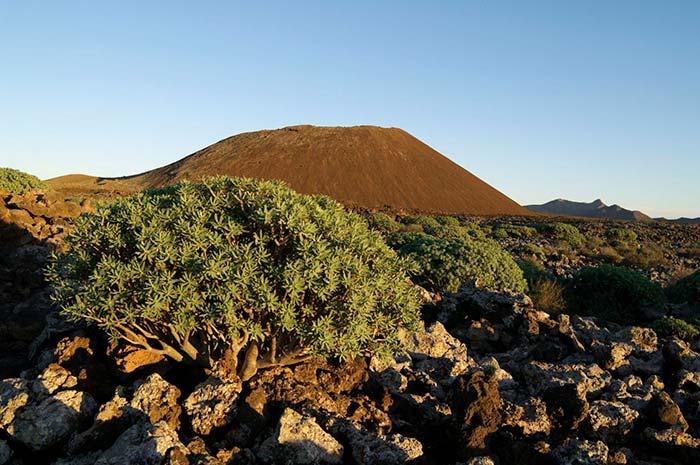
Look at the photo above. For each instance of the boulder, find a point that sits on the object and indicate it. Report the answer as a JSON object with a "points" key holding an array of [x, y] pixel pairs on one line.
{"points": [[47, 424], [566, 405], [13, 396], [633, 392], [53, 379], [298, 439], [683, 447], [212, 404], [588, 377], [478, 410], [5, 452], [689, 380], [643, 340], [664, 413], [436, 343], [157, 399], [481, 460], [575, 451], [613, 356], [146, 444], [528, 416], [611, 420], [130, 359], [112, 419], [370, 448]]}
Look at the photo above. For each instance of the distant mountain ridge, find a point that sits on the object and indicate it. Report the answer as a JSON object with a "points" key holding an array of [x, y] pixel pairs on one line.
{"points": [[682, 220], [595, 209]]}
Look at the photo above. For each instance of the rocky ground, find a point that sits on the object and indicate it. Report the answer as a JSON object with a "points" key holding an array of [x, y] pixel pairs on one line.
{"points": [[490, 380], [663, 251]]}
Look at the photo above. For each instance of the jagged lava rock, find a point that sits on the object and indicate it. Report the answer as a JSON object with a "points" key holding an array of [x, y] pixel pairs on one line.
{"points": [[212, 404], [47, 424], [158, 400], [298, 439]]}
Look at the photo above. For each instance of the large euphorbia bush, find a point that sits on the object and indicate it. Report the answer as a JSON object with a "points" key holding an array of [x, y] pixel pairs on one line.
{"points": [[235, 266], [19, 182]]}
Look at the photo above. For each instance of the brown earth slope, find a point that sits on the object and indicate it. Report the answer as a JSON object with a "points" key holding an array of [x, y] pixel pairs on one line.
{"points": [[362, 166]]}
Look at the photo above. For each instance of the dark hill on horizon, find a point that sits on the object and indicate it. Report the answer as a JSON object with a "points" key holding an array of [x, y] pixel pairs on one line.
{"points": [[361, 166], [595, 209]]}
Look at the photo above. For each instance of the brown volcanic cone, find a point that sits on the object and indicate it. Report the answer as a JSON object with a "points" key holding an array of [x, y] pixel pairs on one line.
{"points": [[362, 166]]}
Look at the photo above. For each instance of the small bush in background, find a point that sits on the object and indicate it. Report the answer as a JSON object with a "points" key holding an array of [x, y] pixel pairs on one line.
{"points": [[401, 238], [18, 182], [383, 223], [621, 235], [449, 221], [445, 264], [509, 230], [429, 224], [614, 293], [644, 256], [565, 232], [687, 289], [670, 326], [532, 249], [609, 254], [546, 292]]}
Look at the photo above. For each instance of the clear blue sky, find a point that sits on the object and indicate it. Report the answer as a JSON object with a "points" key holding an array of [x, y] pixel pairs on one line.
{"points": [[542, 99]]}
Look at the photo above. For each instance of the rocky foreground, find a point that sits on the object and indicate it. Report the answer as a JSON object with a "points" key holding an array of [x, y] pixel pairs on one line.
{"points": [[489, 380]]}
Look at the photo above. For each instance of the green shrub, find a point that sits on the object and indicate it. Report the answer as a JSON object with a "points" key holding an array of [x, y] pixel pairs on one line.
{"points": [[509, 230], [449, 221], [621, 235], [670, 326], [594, 242], [609, 255], [401, 238], [473, 229], [614, 293], [686, 289], [565, 232], [445, 264], [441, 226], [547, 294], [532, 249], [532, 269], [645, 256], [429, 224], [18, 182], [203, 271], [383, 223]]}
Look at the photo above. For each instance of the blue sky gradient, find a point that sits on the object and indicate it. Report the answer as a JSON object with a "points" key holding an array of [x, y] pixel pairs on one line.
{"points": [[542, 99]]}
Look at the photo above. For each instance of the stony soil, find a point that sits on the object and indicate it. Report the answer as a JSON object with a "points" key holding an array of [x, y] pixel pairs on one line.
{"points": [[490, 380], [667, 250]]}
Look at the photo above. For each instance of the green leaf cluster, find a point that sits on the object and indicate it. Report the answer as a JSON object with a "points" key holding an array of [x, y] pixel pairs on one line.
{"points": [[19, 182], [616, 235], [670, 326], [614, 293], [510, 230], [443, 264], [686, 289], [195, 270], [565, 232], [383, 223]]}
